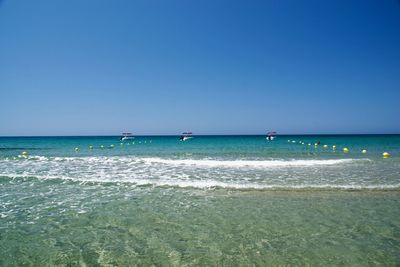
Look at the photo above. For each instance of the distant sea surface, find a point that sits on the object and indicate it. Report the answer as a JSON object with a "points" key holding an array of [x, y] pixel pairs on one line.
{"points": [[210, 200]]}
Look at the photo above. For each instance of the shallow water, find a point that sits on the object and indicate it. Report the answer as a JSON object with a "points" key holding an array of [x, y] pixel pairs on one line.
{"points": [[207, 201]]}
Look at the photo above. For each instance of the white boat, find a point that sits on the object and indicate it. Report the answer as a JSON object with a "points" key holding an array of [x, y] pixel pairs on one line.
{"points": [[127, 136], [271, 136], [186, 136]]}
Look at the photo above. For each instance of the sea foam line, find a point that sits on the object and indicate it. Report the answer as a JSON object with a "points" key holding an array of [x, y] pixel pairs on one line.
{"points": [[212, 163], [209, 184], [249, 163]]}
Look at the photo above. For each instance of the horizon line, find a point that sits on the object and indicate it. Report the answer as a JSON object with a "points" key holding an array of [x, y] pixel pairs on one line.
{"points": [[117, 135]]}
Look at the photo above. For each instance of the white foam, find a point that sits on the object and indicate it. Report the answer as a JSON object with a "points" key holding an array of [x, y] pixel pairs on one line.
{"points": [[248, 163], [212, 163], [206, 184], [215, 184], [209, 184], [202, 173]]}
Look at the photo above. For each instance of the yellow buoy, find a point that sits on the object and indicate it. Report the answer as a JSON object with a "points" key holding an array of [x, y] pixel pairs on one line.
{"points": [[309, 144], [90, 147], [333, 147], [102, 146], [385, 155], [111, 145], [77, 149], [325, 146], [293, 142], [345, 150], [364, 151], [24, 153]]}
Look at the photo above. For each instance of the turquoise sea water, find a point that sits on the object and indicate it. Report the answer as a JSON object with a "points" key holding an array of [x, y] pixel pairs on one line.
{"points": [[211, 200]]}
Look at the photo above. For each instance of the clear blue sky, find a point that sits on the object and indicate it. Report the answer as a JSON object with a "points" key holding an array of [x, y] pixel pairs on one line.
{"points": [[210, 66]]}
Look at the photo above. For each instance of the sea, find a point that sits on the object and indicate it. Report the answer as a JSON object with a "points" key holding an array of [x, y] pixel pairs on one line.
{"points": [[297, 200]]}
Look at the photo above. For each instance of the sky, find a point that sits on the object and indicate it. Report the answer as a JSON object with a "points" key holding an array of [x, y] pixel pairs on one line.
{"points": [[97, 67]]}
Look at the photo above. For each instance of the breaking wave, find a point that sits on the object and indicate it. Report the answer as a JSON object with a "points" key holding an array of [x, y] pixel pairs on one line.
{"points": [[249, 163], [201, 173]]}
